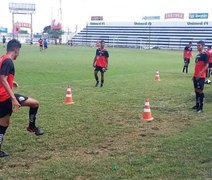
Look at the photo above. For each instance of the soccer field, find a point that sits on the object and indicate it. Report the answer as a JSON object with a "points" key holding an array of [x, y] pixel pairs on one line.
{"points": [[101, 136]]}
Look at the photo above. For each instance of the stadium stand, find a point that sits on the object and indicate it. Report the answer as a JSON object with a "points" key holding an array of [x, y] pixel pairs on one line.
{"points": [[147, 35]]}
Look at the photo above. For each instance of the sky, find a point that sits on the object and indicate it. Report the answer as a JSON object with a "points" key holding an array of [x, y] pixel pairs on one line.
{"points": [[76, 13]]}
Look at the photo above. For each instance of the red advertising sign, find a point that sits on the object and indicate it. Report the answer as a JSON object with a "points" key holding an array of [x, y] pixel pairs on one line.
{"points": [[56, 25], [174, 16], [21, 24]]}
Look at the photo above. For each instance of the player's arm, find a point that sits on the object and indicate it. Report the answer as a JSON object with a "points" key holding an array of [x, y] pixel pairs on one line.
{"points": [[5, 84], [203, 69], [94, 60], [106, 62]]}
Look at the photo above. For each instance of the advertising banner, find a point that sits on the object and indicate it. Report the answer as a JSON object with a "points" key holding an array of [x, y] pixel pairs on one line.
{"points": [[3, 30], [198, 16], [174, 16], [151, 18], [96, 18]]}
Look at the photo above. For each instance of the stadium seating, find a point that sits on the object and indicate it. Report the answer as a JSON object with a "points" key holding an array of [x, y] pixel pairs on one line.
{"points": [[147, 37]]}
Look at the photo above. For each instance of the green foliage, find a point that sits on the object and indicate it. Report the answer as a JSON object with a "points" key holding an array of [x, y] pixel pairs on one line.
{"points": [[52, 32], [101, 136]]}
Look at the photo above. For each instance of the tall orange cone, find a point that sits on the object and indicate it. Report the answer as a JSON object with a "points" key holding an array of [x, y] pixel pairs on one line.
{"points": [[157, 76], [68, 99], [147, 116]]}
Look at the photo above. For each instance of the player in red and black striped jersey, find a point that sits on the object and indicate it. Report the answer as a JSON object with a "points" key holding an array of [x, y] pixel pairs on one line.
{"points": [[100, 63], [200, 72], [9, 101], [187, 55]]}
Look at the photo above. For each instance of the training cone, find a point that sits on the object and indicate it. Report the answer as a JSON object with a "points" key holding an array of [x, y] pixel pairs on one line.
{"points": [[157, 76], [147, 116], [68, 98]]}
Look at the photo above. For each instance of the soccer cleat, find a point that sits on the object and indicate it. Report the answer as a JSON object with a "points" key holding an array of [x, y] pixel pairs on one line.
{"points": [[101, 85], [97, 83], [199, 110], [3, 154], [194, 107], [36, 130]]}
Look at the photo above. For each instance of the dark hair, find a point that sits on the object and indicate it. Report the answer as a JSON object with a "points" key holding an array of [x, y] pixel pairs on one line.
{"points": [[102, 41], [201, 42], [209, 47], [13, 44]]}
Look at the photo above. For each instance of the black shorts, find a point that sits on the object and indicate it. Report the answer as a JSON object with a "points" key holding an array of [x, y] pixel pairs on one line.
{"points": [[210, 65], [6, 106], [186, 61], [199, 83], [101, 69]]}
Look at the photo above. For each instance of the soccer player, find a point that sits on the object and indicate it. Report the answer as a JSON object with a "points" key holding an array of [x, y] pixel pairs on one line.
{"points": [[187, 55], [100, 63], [4, 41], [200, 71], [9, 101], [40, 42], [209, 51], [45, 44]]}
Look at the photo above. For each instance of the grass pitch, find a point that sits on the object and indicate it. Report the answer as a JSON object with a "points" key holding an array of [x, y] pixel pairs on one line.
{"points": [[101, 135]]}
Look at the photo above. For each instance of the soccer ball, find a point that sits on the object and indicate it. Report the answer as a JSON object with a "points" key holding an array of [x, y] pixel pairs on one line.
{"points": [[208, 81]]}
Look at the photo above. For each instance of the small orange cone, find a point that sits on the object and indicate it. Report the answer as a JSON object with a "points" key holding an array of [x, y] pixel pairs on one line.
{"points": [[147, 116], [68, 98], [157, 76]]}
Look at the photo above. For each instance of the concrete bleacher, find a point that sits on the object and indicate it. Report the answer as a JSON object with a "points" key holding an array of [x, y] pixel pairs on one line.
{"points": [[162, 35]]}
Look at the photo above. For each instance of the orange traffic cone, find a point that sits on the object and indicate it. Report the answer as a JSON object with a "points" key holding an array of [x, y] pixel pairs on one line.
{"points": [[147, 116], [157, 76], [68, 98]]}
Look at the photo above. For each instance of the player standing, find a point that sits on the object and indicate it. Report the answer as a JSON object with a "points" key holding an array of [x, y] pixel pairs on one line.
{"points": [[9, 101], [209, 51], [100, 63], [4, 41], [45, 44], [200, 71], [40, 42], [187, 55]]}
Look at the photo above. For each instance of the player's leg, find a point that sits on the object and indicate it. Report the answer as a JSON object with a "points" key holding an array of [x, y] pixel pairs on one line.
{"points": [[199, 86], [102, 78], [5, 113], [184, 66], [201, 94], [187, 63], [4, 124], [195, 107], [96, 70], [33, 105]]}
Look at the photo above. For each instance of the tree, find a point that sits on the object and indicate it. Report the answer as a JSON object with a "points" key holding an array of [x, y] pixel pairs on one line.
{"points": [[54, 34]]}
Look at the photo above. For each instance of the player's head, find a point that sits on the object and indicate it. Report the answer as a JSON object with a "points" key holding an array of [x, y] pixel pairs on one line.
{"points": [[13, 46], [200, 45], [102, 43], [190, 43]]}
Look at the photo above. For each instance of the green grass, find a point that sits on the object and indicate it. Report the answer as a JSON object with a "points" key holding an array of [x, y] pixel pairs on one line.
{"points": [[103, 129]]}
